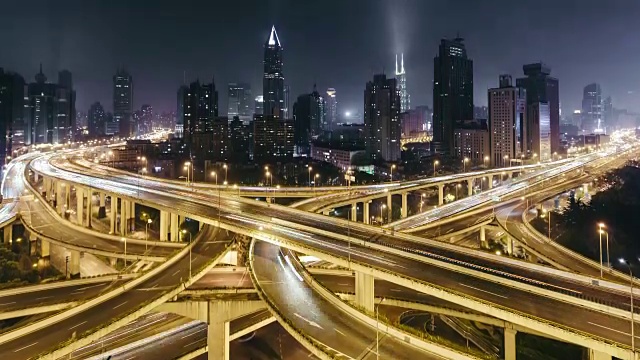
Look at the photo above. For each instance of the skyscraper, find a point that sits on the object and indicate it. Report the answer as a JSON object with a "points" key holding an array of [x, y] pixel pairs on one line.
{"points": [[66, 98], [452, 92], [287, 109], [539, 130], [258, 105], [308, 119], [123, 102], [96, 120], [12, 92], [145, 123], [381, 119], [197, 108], [42, 121], [240, 102], [331, 118], [507, 121], [592, 109], [542, 88], [405, 99], [273, 79]]}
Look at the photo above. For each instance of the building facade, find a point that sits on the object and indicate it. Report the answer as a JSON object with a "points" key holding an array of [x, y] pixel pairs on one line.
{"points": [[123, 102], [12, 114], [273, 79], [592, 109], [471, 141], [340, 157], [272, 139], [331, 111], [240, 102], [308, 118], [382, 119], [401, 75], [452, 93], [507, 121], [539, 131], [96, 120], [542, 88], [197, 109]]}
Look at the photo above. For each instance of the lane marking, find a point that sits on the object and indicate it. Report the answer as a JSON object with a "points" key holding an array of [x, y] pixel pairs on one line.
{"points": [[9, 303], [396, 290], [195, 342], [120, 305], [174, 274], [340, 332], [73, 327], [44, 297], [22, 348], [484, 291]]}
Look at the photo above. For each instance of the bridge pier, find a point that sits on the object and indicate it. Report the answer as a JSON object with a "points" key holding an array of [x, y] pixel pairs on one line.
{"points": [[509, 245], [45, 251], [354, 212], [597, 355], [365, 212], [490, 181], [89, 195], [174, 228], [58, 196], [509, 343], [365, 291], [123, 217], [404, 210], [469, 187], [164, 227], [102, 210], [113, 211], [389, 206], [74, 264], [483, 238], [8, 233], [440, 194], [221, 313], [131, 220], [79, 205]]}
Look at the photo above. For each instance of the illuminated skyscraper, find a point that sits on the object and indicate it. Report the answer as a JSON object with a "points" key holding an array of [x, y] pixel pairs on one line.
{"points": [[381, 119], [405, 98], [331, 118], [592, 109], [507, 122], [273, 79], [123, 102]]}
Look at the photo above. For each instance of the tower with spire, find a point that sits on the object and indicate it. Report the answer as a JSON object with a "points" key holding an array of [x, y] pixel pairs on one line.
{"points": [[273, 79], [401, 75]]}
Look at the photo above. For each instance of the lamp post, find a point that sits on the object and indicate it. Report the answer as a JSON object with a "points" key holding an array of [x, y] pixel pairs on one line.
{"points": [[146, 234], [458, 186], [187, 166], [435, 163], [600, 226], [315, 181], [602, 231], [633, 342], [464, 164], [310, 168], [486, 159], [382, 207], [422, 200], [377, 332], [504, 160], [226, 169], [184, 232], [392, 167]]}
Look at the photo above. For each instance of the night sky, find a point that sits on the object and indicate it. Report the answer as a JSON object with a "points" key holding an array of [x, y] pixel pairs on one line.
{"points": [[334, 43]]}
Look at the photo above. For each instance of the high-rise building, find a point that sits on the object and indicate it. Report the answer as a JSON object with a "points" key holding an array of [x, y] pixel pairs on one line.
{"points": [[12, 113], [272, 139], [49, 110], [507, 121], [607, 113], [240, 102], [211, 144], [414, 122], [258, 105], [96, 120], [542, 88], [539, 131], [382, 119], [197, 108], [286, 94], [592, 109], [471, 141], [452, 92], [273, 79], [331, 116], [66, 106], [145, 123], [123, 102], [308, 118], [239, 141], [401, 75]]}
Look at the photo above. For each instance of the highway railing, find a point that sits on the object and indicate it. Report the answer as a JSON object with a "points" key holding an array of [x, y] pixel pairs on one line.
{"points": [[66, 283]]}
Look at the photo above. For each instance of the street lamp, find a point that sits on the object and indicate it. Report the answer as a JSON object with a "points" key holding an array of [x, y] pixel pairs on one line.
{"points": [[187, 166], [464, 164], [504, 160], [310, 168], [315, 181], [377, 332], [600, 231], [382, 207], [435, 163], [226, 169], [486, 159], [184, 232], [633, 343], [422, 200], [146, 233], [458, 186], [266, 188], [392, 167]]}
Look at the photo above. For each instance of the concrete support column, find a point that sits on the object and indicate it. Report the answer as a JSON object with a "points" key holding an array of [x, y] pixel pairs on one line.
{"points": [[509, 343], [483, 238], [510, 174], [597, 355], [365, 211], [174, 228], [404, 210], [123, 216], [59, 201], [89, 195], [44, 248], [131, 220], [221, 313], [164, 226], [33, 244], [389, 205], [440, 194], [490, 182], [79, 205], [8, 233], [45, 187], [102, 210], [113, 213], [509, 245], [74, 263], [326, 212], [354, 212], [35, 177], [67, 197], [365, 291], [469, 187]]}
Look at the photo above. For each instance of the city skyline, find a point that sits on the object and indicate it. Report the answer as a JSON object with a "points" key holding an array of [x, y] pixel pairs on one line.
{"points": [[93, 54]]}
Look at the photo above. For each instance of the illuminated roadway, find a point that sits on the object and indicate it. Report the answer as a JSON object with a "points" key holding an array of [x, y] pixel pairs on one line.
{"points": [[504, 296]]}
